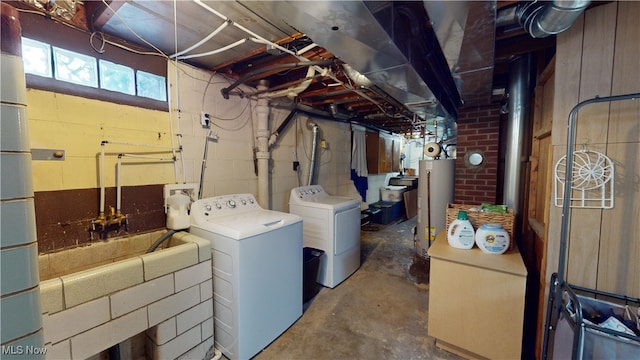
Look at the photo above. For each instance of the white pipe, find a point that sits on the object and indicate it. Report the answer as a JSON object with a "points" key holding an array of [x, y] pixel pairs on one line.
{"points": [[102, 176], [107, 142], [314, 148], [260, 40], [262, 155], [119, 185], [119, 175], [257, 38], [179, 134], [293, 91], [102, 179], [356, 76], [204, 166], [177, 87], [148, 157], [199, 43], [306, 48], [216, 51]]}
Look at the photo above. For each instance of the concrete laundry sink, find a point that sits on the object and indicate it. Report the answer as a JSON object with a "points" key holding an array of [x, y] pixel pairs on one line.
{"points": [[99, 295]]}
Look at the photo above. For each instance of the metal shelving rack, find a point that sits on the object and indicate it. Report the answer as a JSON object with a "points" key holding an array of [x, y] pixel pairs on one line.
{"points": [[565, 305]]}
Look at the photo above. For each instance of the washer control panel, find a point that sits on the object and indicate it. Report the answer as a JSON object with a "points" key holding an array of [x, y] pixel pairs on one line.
{"points": [[308, 192], [224, 205]]}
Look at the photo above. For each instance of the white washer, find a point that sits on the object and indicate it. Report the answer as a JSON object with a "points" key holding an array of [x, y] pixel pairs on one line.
{"points": [[257, 271], [331, 224]]}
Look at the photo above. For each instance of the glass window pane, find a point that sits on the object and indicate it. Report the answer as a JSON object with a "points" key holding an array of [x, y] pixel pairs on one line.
{"points": [[76, 68], [36, 57], [116, 77], [151, 85]]}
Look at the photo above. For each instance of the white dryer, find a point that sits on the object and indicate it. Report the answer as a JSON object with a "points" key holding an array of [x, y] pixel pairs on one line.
{"points": [[331, 224], [257, 271]]}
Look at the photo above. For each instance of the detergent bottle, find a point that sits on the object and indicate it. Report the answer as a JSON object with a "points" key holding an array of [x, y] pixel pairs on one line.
{"points": [[492, 238], [460, 233]]}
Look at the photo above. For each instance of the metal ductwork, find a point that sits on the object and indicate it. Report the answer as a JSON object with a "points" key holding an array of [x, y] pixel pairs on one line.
{"points": [[392, 44], [519, 94], [542, 18]]}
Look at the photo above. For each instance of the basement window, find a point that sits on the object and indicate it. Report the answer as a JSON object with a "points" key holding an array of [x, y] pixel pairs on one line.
{"points": [[64, 60], [86, 70], [75, 68], [36, 57], [116, 77], [151, 85]]}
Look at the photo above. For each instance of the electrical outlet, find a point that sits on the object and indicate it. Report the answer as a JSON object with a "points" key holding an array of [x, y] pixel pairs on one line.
{"points": [[205, 120], [296, 165]]}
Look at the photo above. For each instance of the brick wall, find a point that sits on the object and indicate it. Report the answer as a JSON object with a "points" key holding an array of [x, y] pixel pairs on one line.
{"points": [[478, 129]]}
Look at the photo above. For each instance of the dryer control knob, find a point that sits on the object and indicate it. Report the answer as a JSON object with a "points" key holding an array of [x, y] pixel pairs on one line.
{"points": [[231, 204], [207, 207], [218, 206], [243, 201]]}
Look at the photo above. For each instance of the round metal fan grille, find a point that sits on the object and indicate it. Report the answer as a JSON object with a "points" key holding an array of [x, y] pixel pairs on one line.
{"points": [[591, 170]]}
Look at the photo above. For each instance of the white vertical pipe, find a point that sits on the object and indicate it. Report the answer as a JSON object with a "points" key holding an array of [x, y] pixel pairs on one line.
{"points": [[262, 155], [179, 133], [314, 150], [102, 179], [119, 185]]}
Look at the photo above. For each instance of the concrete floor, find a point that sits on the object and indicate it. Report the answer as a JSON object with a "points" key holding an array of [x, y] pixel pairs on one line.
{"points": [[379, 312]]}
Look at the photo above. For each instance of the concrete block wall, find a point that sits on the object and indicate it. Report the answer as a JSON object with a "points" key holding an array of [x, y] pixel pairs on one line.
{"points": [[478, 129], [230, 161], [167, 294], [78, 125]]}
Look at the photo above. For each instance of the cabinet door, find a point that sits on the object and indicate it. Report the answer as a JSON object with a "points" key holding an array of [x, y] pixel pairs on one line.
{"points": [[373, 152], [395, 156], [386, 155], [382, 152], [489, 322]]}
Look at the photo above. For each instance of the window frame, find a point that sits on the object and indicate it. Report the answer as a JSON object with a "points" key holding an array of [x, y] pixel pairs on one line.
{"points": [[38, 28]]}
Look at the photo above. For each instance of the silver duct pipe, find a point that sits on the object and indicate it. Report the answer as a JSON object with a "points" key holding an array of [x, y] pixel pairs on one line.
{"points": [[519, 94], [542, 18]]}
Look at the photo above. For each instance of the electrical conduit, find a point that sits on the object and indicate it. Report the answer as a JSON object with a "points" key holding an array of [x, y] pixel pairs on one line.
{"points": [[314, 147]]}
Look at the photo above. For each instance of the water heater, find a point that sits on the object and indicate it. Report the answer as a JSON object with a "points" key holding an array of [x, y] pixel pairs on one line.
{"points": [[435, 192]]}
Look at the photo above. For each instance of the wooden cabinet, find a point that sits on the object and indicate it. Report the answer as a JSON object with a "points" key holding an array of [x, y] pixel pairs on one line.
{"points": [[383, 153], [476, 301], [395, 155]]}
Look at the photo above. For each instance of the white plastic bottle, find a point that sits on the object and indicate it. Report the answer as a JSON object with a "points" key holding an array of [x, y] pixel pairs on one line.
{"points": [[492, 239], [460, 233]]}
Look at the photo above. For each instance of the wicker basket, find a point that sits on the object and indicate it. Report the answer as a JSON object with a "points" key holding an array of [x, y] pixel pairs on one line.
{"points": [[478, 218]]}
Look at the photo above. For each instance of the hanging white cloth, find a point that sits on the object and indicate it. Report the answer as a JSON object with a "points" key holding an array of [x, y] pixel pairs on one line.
{"points": [[359, 151]]}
